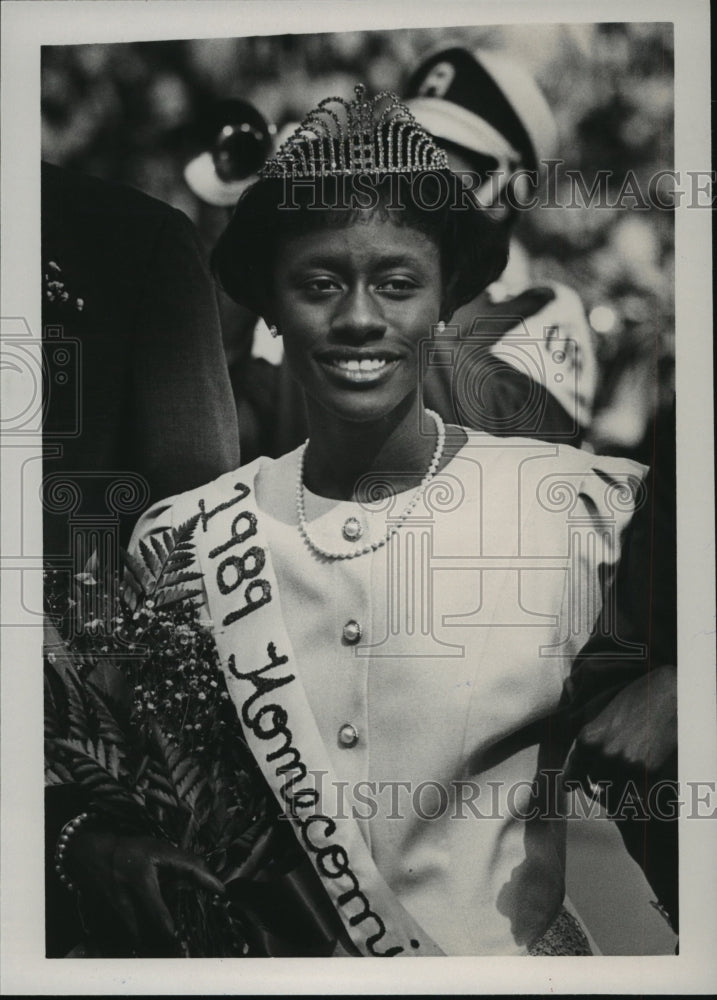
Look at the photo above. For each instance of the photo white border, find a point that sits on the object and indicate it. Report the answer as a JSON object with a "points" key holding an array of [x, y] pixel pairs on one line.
{"points": [[28, 25]]}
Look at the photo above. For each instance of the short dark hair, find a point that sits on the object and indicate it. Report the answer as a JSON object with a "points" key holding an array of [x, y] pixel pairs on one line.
{"points": [[473, 248]]}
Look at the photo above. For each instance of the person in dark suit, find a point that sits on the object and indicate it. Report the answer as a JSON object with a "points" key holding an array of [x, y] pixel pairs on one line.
{"points": [[138, 403], [137, 399]]}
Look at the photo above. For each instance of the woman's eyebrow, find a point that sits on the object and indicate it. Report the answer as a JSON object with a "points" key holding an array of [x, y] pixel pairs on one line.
{"points": [[402, 258], [317, 259]]}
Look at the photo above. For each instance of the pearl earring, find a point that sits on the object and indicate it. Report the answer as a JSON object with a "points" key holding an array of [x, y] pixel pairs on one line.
{"points": [[441, 326], [273, 331]]}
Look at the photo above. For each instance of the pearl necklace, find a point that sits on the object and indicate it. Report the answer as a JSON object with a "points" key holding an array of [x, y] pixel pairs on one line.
{"points": [[372, 546]]}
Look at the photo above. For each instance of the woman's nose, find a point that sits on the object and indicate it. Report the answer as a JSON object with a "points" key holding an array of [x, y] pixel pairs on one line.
{"points": [[359, 316]]}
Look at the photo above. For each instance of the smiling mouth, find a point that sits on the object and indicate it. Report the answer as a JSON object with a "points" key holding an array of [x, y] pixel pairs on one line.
{"points": [[358, 370]]}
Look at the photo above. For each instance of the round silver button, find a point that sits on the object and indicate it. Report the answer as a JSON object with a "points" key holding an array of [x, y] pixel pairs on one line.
{"points": [[351, 632], [352, 529], [348, 735]]}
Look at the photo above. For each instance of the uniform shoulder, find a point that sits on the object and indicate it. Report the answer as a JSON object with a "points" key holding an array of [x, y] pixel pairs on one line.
{"points": [[509, 451]]}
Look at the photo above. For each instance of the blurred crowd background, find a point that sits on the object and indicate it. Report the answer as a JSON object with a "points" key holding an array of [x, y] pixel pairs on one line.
{"points": [[133, 112]]}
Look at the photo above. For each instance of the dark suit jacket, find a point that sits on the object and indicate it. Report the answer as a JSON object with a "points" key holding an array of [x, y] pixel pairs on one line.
{"points": [[138, 403], [138, 400]]}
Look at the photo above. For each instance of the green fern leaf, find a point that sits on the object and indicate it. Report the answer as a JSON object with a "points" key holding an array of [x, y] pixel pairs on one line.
{"points": [[95, 782], [84, 767], [114, 760], [182, 550], [175, 595], [173, 545], [109, 729], [78, 721], [183, 545], [101, 754], [135, 574], [72, 745], [56, 773], [141, 770], [184, 564], [164, 798], [191, 780], [151, 562], [160, 551], [183, 766], [175, 578], [184, 532], [173, 777], [154, 778], [87, 768], [165, 760], [192, 794], [53, 715]]}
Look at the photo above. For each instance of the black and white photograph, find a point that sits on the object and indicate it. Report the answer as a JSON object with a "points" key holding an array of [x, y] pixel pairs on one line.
{"points": [[357, 428]]}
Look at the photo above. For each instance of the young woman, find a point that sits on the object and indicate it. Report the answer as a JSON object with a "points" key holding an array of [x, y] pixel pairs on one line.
{"points": [[397, 604]]}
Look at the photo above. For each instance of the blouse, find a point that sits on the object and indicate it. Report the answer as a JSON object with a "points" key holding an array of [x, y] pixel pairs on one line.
{"points": [[435, 666]]}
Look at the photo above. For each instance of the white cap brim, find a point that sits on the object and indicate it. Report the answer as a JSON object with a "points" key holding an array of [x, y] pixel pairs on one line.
{"points": [[449, 121]]}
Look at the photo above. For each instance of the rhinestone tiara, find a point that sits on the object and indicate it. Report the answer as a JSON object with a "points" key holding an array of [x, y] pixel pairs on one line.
{"points": [[375, 135]]}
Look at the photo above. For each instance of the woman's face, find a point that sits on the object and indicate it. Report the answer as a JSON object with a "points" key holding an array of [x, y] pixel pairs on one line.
{"points": [[353, 304]]}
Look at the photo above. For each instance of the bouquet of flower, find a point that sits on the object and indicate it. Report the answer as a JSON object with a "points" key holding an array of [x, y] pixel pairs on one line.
{"points": [[139, 720]]}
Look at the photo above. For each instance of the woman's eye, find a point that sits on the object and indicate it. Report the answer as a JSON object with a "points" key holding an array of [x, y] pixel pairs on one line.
{"points": [[397, 284], [321, 284]]}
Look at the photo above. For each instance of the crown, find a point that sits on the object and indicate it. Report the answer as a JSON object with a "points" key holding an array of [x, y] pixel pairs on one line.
{"points": [[364, 136]]}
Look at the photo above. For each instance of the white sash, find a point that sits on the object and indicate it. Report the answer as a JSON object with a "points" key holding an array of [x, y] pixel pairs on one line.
{"points": [[264, 683]]}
